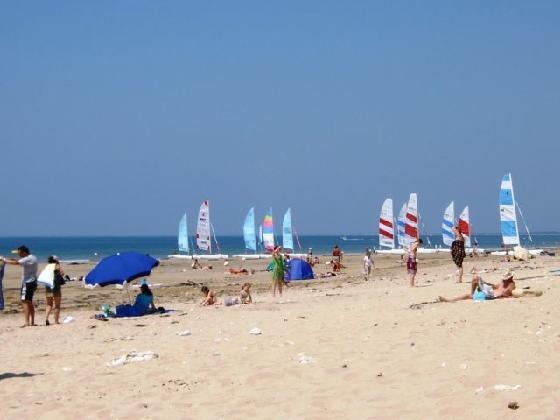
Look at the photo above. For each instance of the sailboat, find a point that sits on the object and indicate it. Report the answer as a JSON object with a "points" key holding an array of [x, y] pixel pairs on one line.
{"points": [[386, 227], [465, 226], [183, 240], [447, 225], [401, 238], [411, 219], [204, 234], [249, 233], [508, 217], [183, 236], [287, 233], [268, 232]]}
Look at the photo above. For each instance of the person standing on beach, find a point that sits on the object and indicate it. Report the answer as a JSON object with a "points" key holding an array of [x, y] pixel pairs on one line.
{"points": [[458, 252], [54, 294], [278, 271], [411, 264], [367, 264], [2, 265], [29, 268]]}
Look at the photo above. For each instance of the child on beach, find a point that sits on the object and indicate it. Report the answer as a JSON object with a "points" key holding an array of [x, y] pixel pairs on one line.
{"points": [[209, 298], [367, 265], [246, 293]]}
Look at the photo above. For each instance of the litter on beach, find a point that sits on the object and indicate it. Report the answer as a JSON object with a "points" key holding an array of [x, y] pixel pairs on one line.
{"points": [[502, 387], [133, 357], [255, 331]]}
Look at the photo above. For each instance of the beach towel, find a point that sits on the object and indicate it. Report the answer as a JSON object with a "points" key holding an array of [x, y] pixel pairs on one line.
{"points": [[47, 276], [2, 265]]}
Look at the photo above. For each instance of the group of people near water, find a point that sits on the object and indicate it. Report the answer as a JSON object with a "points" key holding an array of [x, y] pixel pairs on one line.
{"points": [[29, 273]]}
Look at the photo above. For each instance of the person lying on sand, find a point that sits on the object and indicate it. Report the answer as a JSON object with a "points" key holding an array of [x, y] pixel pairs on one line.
{"points": [[209, 298], [481, 290], [327, 274], [246, 293], [197, 266], [239, 271]]}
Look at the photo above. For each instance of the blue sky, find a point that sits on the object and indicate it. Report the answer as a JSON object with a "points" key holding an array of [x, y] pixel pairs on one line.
{"points": [[117, 116]]}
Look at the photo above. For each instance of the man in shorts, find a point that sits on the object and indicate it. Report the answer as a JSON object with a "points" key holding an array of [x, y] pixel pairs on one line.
{"points": [[29, 268]]}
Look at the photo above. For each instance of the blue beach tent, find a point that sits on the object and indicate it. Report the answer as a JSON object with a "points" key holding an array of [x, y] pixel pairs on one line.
{"points": [[299, 269]]}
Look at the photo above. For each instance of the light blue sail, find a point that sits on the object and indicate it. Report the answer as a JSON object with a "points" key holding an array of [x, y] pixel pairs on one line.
{"points": [[447, 225], [287, 234], [183, 237], [249, 234], [508, 217]]}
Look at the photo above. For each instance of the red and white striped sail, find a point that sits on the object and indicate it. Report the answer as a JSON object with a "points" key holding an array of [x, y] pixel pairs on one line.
{"points": [[465, 226], [411, 219], [203, 240], [386, 225]]}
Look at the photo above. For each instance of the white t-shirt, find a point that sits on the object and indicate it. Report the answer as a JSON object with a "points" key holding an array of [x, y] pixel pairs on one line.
{"points": [[30, 267]]}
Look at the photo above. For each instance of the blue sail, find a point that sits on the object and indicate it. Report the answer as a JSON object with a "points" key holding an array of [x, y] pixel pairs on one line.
{"points": [[447, 225], [249, 234], [508, 217], [287, 235], [183, 238]]}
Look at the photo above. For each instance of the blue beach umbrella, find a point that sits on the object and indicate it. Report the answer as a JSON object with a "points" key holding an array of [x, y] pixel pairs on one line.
{"points": [[121, 268]]}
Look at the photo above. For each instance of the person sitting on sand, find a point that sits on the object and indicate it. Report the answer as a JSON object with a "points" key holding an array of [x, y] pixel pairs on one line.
{"points": [[327, 274], [144, 304], [246, 293], [337, 258], [196, 265], [488, 291], [209, 298]]}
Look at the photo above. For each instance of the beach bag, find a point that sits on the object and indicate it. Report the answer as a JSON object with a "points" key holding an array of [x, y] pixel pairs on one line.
{"points": [[58, 279], [47, 276]]}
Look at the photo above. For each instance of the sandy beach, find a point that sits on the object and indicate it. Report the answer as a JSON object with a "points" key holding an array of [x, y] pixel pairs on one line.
{"points": [[329, 348]]}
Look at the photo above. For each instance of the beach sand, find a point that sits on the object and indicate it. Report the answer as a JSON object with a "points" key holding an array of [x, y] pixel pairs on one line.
{"points": [[329, 348]]}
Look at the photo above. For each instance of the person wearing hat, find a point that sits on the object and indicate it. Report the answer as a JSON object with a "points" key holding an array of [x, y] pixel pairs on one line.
{"points": [[481, 290], [29, 268]]}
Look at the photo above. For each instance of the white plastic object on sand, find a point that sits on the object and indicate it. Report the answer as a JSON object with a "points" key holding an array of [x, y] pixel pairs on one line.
{"points": [[255, 331]]}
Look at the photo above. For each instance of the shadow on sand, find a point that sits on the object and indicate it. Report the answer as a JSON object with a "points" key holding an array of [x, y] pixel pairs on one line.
{"points": [[10, 375]]}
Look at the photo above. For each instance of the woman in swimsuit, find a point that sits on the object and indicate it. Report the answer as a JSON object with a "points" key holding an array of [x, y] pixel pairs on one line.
{"points": [[458, 252]]}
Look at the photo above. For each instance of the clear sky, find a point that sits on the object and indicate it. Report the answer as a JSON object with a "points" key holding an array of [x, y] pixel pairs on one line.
{"points": [[117, 116]]}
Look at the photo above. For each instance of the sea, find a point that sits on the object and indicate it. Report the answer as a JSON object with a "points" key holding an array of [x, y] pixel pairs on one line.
{"points": [[94, 248]]}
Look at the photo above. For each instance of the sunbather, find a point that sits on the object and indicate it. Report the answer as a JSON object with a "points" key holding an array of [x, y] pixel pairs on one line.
{"points": [[481, 290]]}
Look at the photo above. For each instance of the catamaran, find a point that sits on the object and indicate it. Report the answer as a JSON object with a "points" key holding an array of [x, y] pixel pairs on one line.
{"points": [[183, 240], [447, 225], [411, 219], [508, 217], [268, 232], [387, 229], [250, 237], [465, 226], [401, 237], [204, 231], [287, 232]]}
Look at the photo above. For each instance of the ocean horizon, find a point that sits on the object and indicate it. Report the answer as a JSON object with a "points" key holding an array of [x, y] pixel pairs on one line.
{"points": [[94, 248]]}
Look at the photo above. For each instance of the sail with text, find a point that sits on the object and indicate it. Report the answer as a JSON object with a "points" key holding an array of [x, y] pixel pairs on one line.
{"points": [[203, 238]]}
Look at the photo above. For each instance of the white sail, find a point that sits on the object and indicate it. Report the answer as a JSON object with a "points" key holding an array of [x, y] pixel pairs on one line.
{"points": [[401, 237], [203, 238], [386, 226], [447, 225], [287, 234], [411, 219], [183, 237], [508, 218], [465, 226]]}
